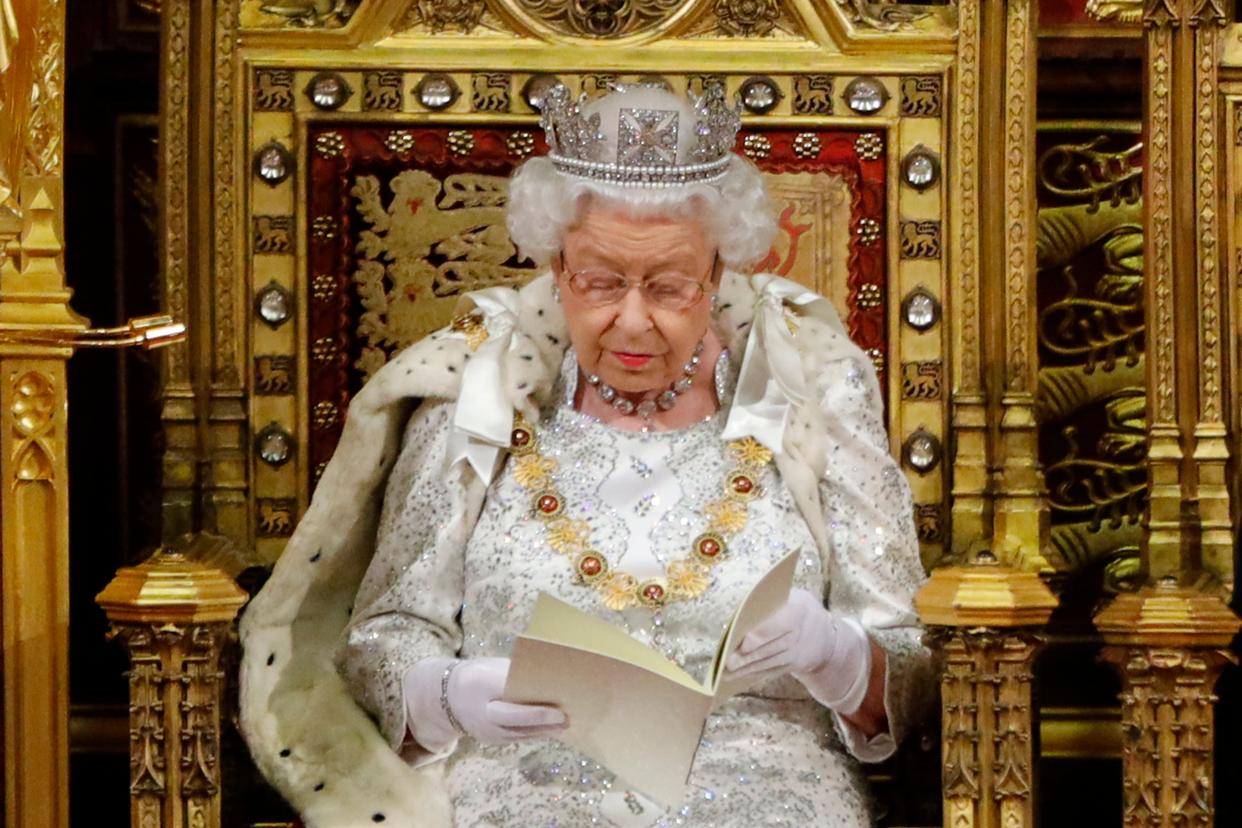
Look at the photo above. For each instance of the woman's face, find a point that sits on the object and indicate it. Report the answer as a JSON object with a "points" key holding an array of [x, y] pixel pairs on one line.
{"points": [[635, 345]]}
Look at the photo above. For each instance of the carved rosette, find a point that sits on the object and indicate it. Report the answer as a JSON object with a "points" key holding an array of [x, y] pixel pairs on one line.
{"points": [[746, 18], [599, 18]]}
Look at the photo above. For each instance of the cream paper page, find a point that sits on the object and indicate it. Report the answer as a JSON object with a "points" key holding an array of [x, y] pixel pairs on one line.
{"points": [[629, 707]]}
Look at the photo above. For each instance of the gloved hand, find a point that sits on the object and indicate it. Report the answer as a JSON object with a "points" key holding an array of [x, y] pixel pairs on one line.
{"points": [[828, 653], [473, 695]]}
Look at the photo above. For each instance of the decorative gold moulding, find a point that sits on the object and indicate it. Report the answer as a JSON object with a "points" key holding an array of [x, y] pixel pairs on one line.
{"points": [[1168, 614], [984, 594], [172, 589]]}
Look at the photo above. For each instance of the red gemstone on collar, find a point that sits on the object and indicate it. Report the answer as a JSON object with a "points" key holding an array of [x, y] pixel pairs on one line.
{"points": [[708, 547], [520, 438], [653, 593], [743, 484], [549, 504], [590, 566]]}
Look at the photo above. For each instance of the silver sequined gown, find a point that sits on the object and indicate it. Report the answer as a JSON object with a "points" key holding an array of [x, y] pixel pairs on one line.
{"points": [[774, 757]]}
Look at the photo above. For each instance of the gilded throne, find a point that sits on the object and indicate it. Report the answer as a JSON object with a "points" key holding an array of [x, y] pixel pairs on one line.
{"points": [[347, 188]]}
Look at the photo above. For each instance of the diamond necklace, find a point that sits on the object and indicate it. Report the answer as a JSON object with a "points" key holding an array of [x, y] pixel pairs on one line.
{"points": [[664, 401]]}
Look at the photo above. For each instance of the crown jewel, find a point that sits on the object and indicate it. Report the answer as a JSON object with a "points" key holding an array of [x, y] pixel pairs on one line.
{"points": [[648, 145]]}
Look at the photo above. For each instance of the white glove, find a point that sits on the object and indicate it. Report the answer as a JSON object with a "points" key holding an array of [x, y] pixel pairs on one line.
{"points": [[472, 697], [828, 653]]}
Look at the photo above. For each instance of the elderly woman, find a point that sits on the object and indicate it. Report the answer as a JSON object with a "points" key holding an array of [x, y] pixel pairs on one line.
{"points": [[643, 433]]}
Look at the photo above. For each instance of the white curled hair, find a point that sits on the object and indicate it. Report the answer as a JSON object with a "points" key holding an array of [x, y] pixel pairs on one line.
{"points": [[735, 211]]}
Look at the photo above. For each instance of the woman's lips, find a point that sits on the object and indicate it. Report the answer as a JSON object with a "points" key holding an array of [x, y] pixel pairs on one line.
{"points": [[632, 360]]}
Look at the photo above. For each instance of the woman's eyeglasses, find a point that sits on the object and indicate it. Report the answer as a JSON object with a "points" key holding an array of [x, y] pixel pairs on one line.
{"points": [[599, 287]]}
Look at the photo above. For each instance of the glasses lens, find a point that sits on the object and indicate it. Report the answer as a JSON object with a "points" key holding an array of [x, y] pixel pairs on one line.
{"points": [[673, 292], [599, 287]]}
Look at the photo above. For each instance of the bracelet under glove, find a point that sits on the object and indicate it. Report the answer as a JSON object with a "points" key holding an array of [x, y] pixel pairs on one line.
{"points": [[447, 698]]}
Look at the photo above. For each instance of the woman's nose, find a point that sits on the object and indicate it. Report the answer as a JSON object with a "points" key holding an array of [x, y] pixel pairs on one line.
{"points": [[633, 315]]}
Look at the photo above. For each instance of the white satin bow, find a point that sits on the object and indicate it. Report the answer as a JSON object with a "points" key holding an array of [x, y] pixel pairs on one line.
{"points": [[772, 379], [483, 419]]}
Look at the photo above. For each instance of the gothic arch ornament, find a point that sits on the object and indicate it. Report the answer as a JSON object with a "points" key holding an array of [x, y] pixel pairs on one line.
{"points": [[598, 19]]}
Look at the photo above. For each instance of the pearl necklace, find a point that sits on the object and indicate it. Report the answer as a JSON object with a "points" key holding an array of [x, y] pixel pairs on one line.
{"points": [[663, 401], [685, 578]]}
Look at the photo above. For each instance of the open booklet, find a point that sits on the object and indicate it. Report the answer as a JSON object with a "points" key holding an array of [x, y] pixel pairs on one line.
{"points": [[630, 708]]}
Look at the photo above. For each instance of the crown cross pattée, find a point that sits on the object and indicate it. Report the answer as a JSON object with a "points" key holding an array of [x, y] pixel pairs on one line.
{"points": [[647, 136]]}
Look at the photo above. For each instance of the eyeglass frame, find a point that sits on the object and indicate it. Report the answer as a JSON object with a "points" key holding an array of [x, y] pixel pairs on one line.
{"points": [[641, 285]]}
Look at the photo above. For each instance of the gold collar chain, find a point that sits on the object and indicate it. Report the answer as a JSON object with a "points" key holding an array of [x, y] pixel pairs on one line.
{"points": [[685, 578]]}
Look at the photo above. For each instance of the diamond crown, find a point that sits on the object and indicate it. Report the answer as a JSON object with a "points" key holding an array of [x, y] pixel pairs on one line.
{"points": [[654, 140]]}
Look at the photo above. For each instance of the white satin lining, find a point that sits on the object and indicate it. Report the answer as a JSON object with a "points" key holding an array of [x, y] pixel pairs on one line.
{"points": [[772, 379], [483, 418]]}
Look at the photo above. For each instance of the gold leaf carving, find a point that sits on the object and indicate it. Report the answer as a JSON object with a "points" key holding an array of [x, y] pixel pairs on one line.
{"points": [[46, 125], [1086, 171], [1166, 710], [746, 18], [229, 362], [986, 722], [33, 410], [884, 15], [1019, 200], [438, 15], [1121, 11], [599, 18], [303, 14], [967, 193]]}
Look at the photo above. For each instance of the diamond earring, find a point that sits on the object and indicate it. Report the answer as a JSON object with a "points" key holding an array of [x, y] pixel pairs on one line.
{"points": [[556, 291], [715, 301]]}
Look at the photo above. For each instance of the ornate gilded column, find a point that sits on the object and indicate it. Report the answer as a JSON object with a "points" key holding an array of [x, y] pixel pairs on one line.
{"points": [[206, 466], [1168, 640], [998, 488], [971, 516], [181, 410], [1169, 643], [1211, 453], [34, 486], [1021, 527], [1169, 250], [985, 619], [173, 614]]}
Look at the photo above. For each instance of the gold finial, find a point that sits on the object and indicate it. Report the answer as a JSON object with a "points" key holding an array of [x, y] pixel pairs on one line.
{"points": [[169, 587]]}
